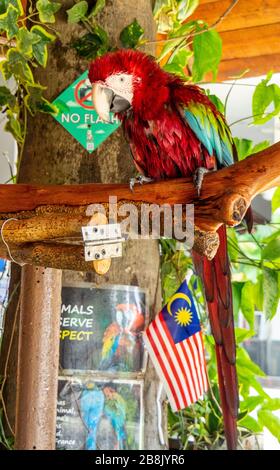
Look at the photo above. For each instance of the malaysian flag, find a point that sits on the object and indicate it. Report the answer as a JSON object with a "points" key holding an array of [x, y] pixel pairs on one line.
{"points": [[174, 342]]}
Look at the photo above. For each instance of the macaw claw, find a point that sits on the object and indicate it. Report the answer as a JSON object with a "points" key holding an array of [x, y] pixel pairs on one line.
{"points": [[198, 177], [139, 180]]}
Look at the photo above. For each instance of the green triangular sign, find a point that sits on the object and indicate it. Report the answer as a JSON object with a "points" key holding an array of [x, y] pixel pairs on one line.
{"points": [[77, 115]]}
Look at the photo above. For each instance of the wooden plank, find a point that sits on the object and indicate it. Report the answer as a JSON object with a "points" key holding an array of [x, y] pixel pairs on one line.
{"points": [[202, 2], [259, 65], [251, 42], [245, 14]]}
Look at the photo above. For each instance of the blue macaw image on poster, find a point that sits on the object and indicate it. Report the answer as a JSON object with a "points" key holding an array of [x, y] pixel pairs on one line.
{"points": [[99, 415], [101, 328]]}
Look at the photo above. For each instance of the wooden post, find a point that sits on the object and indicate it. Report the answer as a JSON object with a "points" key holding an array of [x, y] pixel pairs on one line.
{"points": [[38, 358]]}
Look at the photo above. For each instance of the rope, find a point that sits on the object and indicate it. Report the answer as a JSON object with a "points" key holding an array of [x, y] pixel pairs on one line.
{"points": [[6, 244]]}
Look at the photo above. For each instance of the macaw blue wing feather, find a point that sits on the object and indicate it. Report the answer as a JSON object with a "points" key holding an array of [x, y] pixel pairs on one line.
{"points": [[212, 131]]}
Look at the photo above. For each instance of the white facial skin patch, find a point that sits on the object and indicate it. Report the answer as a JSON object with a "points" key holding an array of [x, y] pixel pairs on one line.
{"points": [[122, 85]]}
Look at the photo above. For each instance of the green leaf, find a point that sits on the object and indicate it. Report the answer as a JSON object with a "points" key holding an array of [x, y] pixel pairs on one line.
{"points": [[232, 244], [241, 334], [207, 48], [270, 292], [186, 9], [258, 292], [13, 126], [77, 12], [264, 96], [236, 297], [34, 101], [275, 202], [61, 106], [181, 57], [244, 361], [247, 303], [167, 48], [243, 147], [217, 102], [250, 423], [5, 70], [4, 4], [16, 65], [165, 15], [47, 10], [273, 236], [92, 45], [6, 97], [40, 50], [272, 404], [184, 29], [251, 403], [131, 35], [25, 41], [261, 146], [272, 250], [174, 68], [247, 379], [159, 4], [178, 61], [8, 21], [270, 421], [246, 147], [100, 4]]}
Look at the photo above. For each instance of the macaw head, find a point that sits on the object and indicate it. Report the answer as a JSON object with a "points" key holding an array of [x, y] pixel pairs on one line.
{"points": [[109, 392], [125, 80], [128, 317]]}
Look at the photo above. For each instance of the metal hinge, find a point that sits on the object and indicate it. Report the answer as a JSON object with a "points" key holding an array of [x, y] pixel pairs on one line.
{"points": [[102, 241]]}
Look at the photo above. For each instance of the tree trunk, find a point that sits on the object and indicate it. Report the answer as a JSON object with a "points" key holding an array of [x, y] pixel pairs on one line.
{"points": [[51, 155]]}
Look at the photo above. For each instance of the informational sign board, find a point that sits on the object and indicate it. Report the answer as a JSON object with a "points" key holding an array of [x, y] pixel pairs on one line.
{"points": [[77, 115], [99, 415], [101, 329]]}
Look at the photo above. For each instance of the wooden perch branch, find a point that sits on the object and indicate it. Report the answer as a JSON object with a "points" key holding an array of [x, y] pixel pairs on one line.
{"points": [[48, 213]]}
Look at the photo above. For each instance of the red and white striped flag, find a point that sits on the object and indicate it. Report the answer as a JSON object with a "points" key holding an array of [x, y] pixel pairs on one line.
{"points": [[174, 342]]}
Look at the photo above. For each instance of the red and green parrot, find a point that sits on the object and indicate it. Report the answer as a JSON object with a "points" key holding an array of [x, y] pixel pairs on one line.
{"points": [[174, 130], [121, 339]]}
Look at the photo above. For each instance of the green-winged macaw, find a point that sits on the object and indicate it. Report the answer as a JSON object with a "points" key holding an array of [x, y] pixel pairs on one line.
{"points": [[175, 130]]}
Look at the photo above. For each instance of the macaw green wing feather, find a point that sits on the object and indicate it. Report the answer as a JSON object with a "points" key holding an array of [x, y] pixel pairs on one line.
{"points": [[212, 131]]}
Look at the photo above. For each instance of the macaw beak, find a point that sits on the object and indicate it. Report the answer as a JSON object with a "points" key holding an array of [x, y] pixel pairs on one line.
{"points": [[105, 101]]}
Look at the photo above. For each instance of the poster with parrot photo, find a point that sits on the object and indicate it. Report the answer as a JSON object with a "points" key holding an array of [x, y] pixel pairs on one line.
{"points": [[101, 329], [99, 415]]}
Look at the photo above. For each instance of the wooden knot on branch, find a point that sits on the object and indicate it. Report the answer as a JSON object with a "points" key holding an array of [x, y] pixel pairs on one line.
{"points": [[233, 209]]}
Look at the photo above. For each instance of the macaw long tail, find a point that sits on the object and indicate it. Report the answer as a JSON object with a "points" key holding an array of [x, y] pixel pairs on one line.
{"points": [[215, 275]]}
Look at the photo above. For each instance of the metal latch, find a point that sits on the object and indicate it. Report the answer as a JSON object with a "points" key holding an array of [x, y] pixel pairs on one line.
{"points": [[102, 241]]}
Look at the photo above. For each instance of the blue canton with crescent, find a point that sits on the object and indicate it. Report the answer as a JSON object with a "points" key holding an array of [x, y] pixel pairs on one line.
{"points": [[180, 314]]}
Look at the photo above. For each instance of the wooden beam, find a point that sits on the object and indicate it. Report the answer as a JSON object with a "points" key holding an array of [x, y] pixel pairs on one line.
{"points": [[251, 42], [245, 14], [52, 255], [257, 66]]}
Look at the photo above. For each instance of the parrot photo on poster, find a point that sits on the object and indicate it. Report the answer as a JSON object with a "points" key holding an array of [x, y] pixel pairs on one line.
{"points": [[122, 339], [174, 130]]}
